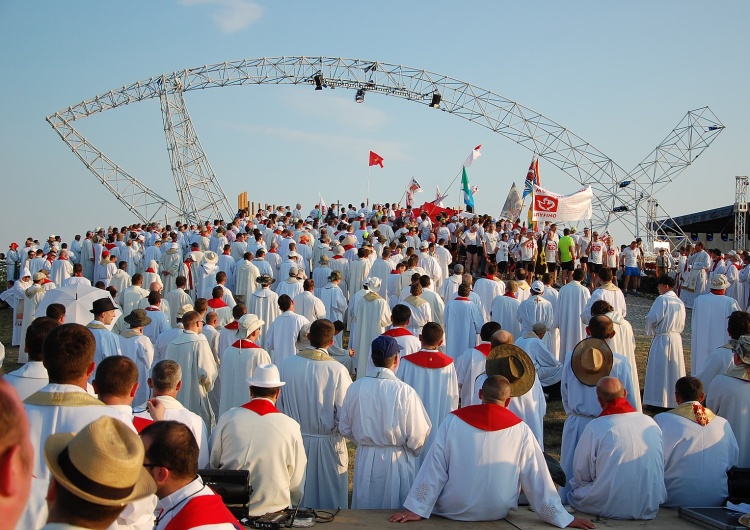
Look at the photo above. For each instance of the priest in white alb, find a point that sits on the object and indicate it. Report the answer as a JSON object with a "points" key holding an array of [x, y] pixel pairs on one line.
{"points": [[463, 322], [371, 317], [571, 302], [264, 304], [709, 322]]}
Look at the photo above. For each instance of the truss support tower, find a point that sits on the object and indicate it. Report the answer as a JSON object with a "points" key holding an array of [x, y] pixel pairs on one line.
{"points": [[740, 211], [198, 190]]}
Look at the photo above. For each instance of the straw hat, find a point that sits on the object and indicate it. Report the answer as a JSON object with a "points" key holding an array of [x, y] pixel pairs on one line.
{"points": [[265, 280], [324, 260], [247, 325], [265, 376], [186, 308], [210, 256], [591, 360], [102, 464], [515, 365], [719, 282], [138, 318]]}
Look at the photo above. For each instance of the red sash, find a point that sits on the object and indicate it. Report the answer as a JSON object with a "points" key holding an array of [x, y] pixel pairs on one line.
{"points": [[216, 303], [348, 247], [484, 348], [617, 406], [141, 423], [398, 332], [243, 344], [202, 511], [260, 406], [429, 359], [232, 325], [487, 417], [189, 275]]}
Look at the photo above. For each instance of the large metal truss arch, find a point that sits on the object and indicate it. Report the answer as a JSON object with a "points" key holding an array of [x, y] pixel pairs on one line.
{"points": [[530, 129]]}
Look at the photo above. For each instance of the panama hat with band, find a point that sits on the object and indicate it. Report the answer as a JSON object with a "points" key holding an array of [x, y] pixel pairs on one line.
{"points": [[515, 365], [591, 360]]}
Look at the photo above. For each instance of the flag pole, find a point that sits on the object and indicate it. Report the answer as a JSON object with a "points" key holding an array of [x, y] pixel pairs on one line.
{"points": [[368, 185], [454, 179]]}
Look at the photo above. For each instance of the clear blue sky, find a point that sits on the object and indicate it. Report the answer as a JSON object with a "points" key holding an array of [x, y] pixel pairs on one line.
{"points": [[619, 74]]}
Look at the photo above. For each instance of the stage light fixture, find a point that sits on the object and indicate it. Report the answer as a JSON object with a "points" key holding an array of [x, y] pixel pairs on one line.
{"points": [[318, 78], [619, 209], [436, 97], [710, 237], [724, 236], [694, 236], [360, 96], [625, 183]]}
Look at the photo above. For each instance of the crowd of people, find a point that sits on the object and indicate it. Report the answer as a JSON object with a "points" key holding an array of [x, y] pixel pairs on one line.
{"points": [[265, 343]]}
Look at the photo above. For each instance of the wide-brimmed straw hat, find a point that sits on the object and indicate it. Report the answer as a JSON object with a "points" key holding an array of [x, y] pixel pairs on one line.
{"points": [[102, 464], [138, 318], [591, 360], [210, 256], [247, 325], [265, 280], [324, 260], [514, 364]]}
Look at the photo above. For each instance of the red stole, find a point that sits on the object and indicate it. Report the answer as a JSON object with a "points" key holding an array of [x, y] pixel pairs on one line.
{"points": [[110, 246], [141, 423], [46, 280], [429, 359], [232, 325], [394, 271], [150, 270], [338, 257], [152, 308], [617, 406], [484, 348], [348, 247], [243, 344], [716, 263], [510, 294], [462, 298], [216, 303], [487, 417], [202, 511], [260, 406], [189, 274], [398, 332]]}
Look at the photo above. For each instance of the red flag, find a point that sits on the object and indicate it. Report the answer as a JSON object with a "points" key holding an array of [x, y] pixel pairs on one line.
{"points": [[376, 159]]}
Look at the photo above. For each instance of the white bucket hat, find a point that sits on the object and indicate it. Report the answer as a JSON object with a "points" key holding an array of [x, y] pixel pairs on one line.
{"points": [[247, 325], [265, 376]]}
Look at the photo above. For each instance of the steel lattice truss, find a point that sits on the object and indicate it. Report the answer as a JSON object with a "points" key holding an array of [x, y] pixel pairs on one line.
{"points": [[548, 139]]}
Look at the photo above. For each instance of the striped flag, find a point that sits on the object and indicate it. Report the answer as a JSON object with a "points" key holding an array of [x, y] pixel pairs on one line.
{"points": [[532, 177]]}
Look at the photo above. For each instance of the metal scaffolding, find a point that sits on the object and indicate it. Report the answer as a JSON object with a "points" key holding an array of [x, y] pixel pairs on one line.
{"points": [[200, 194], [740, 211]]}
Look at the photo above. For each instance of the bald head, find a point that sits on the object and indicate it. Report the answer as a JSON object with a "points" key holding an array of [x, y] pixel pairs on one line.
{"points": [[501, 337], [156, 286], [496, 390], [608, 389]]}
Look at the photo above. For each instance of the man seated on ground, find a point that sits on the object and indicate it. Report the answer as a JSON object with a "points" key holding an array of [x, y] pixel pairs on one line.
{"points": [[257, 437], [618, 467], [461, 476], [184, 501], [699, 448], [548, 368]]}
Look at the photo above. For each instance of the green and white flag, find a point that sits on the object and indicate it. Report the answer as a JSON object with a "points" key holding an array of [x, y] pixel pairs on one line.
{"points": [[468, 195]]}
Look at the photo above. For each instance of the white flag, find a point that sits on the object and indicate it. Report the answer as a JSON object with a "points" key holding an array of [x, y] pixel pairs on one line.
{"points": [[473, 156], [439, 197], [553, 207]]}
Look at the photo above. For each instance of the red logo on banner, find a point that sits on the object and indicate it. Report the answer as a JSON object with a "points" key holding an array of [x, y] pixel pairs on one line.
{"points": [[545, 203]]}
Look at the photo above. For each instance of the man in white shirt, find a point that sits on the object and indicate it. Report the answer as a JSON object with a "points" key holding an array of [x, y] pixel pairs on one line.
{"points": [[463, 321], [32, 376], [284, 332], [191, 351], [459, 479], [699, 448], [709, 322], [107, 343], [619, 460], [315, 388], [258, 438], [307, 304], [387, 420], [171, 458], [632, 261], [165, 382]]}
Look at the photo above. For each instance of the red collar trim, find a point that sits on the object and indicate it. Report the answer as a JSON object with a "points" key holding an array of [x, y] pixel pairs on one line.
{"points": [[337, 257], [232, 325], [152, 308], [348, 247], [141, 423], [429, 359], [394, 271], [462, 298], [398, 332], [510, 295], [110, 246], [261, 407], [617, 406], [150, 270], [216, 303], [46, 280], [243, 344], [487, 417], [202, 511], [484, 348]]}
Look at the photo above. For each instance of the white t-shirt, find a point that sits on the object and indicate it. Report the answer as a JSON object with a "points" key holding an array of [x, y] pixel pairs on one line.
{"points": [[597, 249], [502, 251], [583, 246], [613, 257], [470, 238], [490, 240], [630, 256], [528, 246], [550, 250]]}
